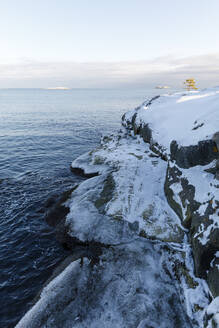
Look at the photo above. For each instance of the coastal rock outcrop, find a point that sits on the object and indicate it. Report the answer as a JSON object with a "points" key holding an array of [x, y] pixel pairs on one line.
{"points": [[149, 207]]}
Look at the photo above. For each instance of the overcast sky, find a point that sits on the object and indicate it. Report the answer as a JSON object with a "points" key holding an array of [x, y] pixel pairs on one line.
{"points": [[100, 43]]}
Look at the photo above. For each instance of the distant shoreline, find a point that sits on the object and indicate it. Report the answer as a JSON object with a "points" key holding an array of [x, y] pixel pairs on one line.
{"points": [[58, 88]]}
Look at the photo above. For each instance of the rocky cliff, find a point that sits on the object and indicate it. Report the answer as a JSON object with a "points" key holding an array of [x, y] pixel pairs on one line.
{"points": [[143, 228]]}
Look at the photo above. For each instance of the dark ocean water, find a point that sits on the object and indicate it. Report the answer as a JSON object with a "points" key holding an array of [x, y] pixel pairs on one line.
{"points": [[41, 132]]}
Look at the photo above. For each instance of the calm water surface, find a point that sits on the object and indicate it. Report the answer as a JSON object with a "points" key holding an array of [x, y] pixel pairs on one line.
{"points": [[41, 132]]}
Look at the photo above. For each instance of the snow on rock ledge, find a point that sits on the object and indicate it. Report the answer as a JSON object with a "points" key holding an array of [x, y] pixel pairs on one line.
{"points": [[183, 125]]}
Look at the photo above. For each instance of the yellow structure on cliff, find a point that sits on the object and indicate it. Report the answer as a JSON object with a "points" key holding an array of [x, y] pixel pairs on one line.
{"points": [[190, 84]]}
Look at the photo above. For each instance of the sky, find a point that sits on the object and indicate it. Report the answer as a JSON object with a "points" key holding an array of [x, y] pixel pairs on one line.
{"points": [[100, 43]]}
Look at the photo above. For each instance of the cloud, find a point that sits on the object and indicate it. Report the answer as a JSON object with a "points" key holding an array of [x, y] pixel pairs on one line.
{"points": [[163, 70]]}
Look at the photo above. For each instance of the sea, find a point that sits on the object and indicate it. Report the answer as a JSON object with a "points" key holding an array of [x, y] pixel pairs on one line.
{"points": [[41, 132]]}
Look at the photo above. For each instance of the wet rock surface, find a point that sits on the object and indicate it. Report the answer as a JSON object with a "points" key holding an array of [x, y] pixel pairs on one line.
{"points": [[81, 172]]}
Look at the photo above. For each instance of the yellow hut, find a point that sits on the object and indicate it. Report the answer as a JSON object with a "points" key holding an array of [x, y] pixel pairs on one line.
{"points": [[190, 84]]}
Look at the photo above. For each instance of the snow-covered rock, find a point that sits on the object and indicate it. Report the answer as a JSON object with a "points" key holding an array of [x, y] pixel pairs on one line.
{"points": [[109, 201], [187, 117], [183, 129], [149, 207]]}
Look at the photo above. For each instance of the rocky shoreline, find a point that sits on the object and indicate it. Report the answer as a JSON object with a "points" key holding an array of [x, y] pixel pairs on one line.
{"points": [[148, 208]]}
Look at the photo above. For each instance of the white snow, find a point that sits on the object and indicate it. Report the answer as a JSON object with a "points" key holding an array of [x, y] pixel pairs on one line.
{"points": [[174, 117], [89, 166], [203, 233], [213, 306], [205, 185]]}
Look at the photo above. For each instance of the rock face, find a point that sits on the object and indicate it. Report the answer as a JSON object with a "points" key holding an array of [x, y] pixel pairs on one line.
{"points": [[200, 216], [201, 154], [191, 184], [149, 207]]}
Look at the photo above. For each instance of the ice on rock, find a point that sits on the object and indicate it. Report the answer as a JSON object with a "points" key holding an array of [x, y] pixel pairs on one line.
{"points": [[128, 190]]}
